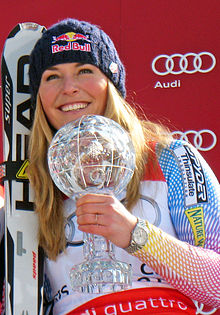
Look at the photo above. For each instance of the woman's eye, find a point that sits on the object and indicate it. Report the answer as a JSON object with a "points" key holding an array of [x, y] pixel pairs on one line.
{"points": [[51, 77], [85, 71]]}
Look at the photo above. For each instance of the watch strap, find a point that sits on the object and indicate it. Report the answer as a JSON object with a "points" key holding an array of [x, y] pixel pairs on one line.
{"points": [[133, 246]]}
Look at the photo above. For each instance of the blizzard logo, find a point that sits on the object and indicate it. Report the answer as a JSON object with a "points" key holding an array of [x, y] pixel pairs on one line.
{"points": [[193, 176], [70, 46]]}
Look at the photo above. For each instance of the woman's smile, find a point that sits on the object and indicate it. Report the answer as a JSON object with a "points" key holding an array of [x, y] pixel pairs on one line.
{"points": [[73, 107]]}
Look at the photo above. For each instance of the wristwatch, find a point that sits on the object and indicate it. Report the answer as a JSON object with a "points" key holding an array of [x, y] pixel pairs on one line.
{"points": [[139, 236]]}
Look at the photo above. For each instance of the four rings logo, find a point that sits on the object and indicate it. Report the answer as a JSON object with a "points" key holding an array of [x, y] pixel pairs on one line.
{"points": [[177, 63], [203, 140]]}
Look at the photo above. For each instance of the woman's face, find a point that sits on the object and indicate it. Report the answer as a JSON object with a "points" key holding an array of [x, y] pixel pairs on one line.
{"points": [[70, 90]]}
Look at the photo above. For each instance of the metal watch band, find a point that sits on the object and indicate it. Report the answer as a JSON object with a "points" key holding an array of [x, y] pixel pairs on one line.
{"points": [[133, 246]]}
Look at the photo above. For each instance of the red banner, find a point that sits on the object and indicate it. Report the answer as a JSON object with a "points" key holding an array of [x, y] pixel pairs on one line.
{"points": [[142, 301]]}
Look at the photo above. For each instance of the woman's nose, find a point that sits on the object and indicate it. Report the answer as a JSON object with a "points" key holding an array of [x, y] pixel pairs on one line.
{"points": [[70, 85]]}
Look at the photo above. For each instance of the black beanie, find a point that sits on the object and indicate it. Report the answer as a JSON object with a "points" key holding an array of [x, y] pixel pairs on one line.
{"points": [[75, 41]]}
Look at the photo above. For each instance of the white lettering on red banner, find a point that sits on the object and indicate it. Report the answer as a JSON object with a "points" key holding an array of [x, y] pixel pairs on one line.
{"points": [[70, 46]]}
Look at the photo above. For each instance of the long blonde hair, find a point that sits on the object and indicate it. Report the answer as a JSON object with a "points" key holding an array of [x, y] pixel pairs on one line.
{"points": [[48, 198]]}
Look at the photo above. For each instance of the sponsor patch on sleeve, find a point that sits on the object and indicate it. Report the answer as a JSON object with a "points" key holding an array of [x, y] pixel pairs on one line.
{"points": [[196, 220], [195, 189]]}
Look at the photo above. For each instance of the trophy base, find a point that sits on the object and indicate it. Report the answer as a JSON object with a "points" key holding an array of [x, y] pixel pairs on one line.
{"points": [[103, 276]]}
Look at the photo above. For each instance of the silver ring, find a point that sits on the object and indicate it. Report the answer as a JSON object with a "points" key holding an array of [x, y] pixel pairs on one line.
{"points": [[96, 218]]}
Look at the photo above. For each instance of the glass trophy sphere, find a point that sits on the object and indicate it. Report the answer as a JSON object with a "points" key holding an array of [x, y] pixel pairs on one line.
{"points": [[94, 154], [91, 154]]}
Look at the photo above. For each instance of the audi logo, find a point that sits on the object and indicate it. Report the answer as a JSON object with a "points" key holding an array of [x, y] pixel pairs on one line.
{"points": [[183, 63], [198, 138]]}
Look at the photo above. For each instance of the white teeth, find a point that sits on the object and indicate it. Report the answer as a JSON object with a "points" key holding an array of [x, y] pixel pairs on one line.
{"points": [[70, 107]]}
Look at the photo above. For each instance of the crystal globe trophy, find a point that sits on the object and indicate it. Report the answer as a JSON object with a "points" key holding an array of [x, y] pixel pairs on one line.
{"points": [[94, 154]]}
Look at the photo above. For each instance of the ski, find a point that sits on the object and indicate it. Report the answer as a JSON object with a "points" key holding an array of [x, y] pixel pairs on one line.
{"points": [[24, 259]]}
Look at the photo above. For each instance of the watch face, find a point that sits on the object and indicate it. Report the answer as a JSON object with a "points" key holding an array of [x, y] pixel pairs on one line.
{"points": [[140, 236]]}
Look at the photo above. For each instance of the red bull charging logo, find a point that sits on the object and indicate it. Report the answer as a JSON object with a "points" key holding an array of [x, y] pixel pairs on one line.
{"points": [[70, 37], [72, 44]]}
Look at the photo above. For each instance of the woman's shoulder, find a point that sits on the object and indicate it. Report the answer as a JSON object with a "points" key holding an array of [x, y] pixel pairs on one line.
{"points": [[171, 145], [178, 151], [176, 156]]}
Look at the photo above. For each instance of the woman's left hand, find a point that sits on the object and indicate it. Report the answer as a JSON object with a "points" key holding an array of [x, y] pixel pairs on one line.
{"points": [[105, 215]]}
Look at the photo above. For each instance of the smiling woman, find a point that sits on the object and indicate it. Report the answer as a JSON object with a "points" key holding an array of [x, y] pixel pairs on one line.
{"points": [[70, 90], [172, 265]]}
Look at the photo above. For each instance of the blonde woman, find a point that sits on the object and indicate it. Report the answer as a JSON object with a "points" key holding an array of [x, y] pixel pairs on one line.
{"points": [[172, 201]]}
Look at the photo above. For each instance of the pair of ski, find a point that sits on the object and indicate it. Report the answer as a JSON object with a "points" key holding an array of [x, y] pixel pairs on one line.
{"points": [[24, 259]]}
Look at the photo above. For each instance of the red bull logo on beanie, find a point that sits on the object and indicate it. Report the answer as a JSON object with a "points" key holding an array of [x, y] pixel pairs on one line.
{"points": [[71, 38], [70, 46]]}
